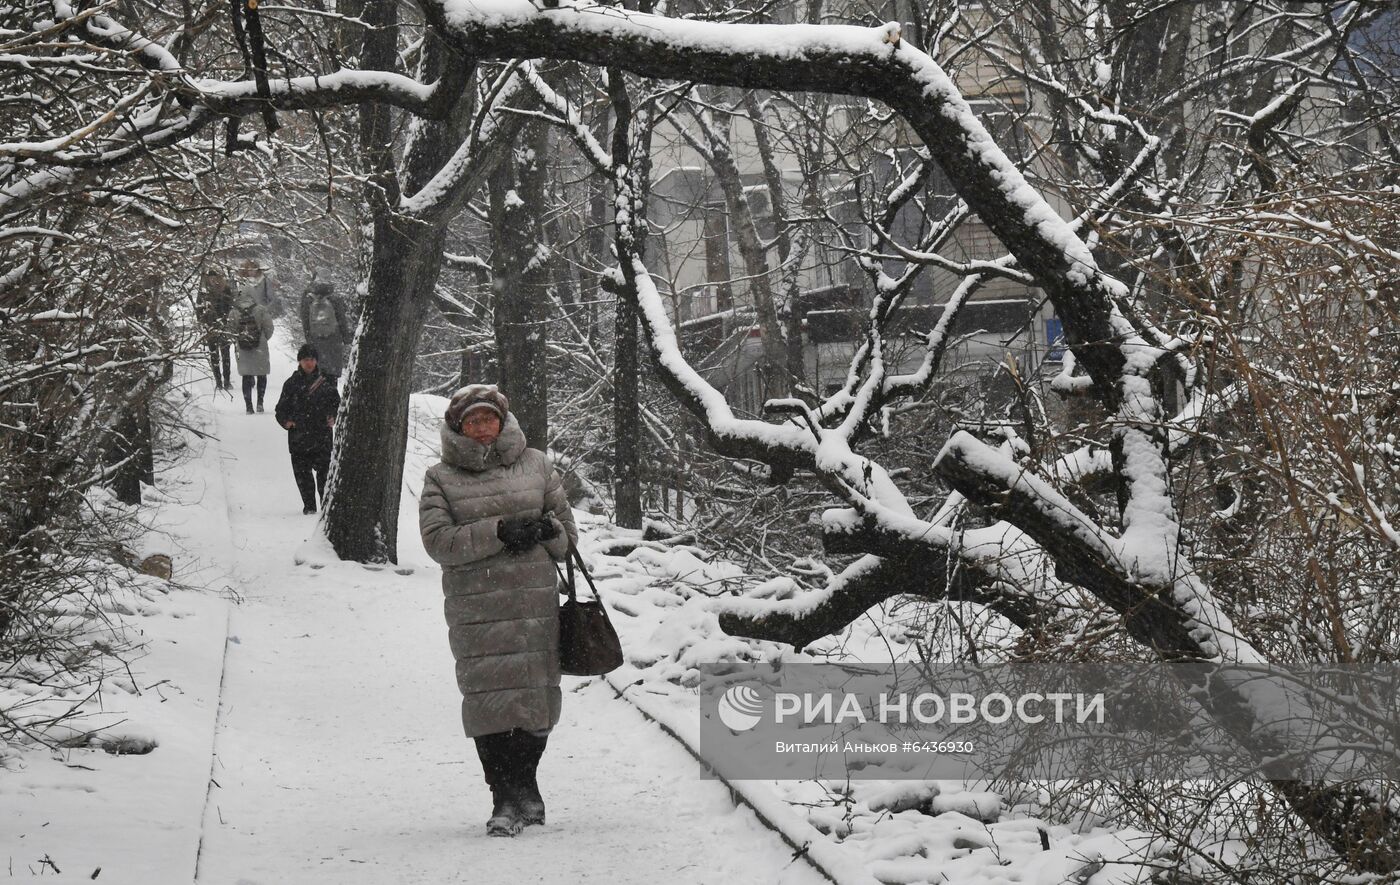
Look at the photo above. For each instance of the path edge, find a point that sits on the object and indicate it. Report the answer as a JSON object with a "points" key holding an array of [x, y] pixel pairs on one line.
{"points": [[805, 840]]}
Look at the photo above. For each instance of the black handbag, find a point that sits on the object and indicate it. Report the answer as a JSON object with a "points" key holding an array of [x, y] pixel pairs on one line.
{"points": [[588, 644]]}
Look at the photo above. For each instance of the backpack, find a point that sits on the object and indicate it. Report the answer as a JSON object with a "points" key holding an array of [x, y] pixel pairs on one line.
{"points": [[323, 320], [249, 332]]}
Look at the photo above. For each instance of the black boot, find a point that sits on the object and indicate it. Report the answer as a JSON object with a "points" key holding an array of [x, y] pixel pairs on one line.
{"points": [[505, 812], [529, 749]]}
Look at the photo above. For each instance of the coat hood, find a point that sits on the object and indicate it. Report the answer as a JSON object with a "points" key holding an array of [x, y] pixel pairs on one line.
{"points": [[468, 454]]}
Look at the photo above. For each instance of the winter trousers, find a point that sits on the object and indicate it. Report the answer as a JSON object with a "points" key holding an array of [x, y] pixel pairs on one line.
{"points": [[309, 469], [509, 760], [219, 362], [248, 381]]}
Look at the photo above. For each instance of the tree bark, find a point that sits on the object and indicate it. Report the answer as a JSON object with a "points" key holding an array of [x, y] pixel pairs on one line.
{"points": [[627, 241], [520, 285], [362, 514], [627, 419], [362, 509]]}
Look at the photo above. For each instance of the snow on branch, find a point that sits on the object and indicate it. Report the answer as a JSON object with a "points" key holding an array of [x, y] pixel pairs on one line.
{"points": [[463, 174], [1163, 602], [790, 438], [825, 451], [337, 88], [474, 263], [867, 582], [568, 115], [198, 99]]}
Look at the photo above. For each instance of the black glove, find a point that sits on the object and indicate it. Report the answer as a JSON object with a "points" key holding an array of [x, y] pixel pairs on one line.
{"points": [[547, 530], [518, 533]]}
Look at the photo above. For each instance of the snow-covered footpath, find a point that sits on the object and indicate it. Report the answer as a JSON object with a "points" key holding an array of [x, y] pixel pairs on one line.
{"points": [[304, 723], [301, 719]]}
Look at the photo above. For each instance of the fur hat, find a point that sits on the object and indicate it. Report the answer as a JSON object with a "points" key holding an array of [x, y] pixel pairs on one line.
{"points": [[308, 351], [475, 396]]}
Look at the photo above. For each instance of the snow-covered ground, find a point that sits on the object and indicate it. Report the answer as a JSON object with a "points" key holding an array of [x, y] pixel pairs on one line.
{"points": [[333, 752], [304, 721]]}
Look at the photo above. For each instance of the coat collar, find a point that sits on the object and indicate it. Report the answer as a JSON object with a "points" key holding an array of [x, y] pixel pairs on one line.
{"points": [[468, 454]]}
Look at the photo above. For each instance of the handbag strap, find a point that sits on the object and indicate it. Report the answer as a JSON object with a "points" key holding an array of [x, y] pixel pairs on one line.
{"points": [[575, 556], [570, 582], [569, 563]]}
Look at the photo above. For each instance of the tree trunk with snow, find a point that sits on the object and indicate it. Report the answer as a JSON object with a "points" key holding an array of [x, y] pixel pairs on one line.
{"points": [[627, 243], [520, 285], [412, 201], [362, 513]]}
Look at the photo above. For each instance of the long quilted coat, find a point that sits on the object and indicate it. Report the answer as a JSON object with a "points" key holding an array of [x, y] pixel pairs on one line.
{"points": [[502, 609], [251, 360]]}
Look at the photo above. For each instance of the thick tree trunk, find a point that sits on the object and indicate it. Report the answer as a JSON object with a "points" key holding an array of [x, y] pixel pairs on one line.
{"points": [[362, 516], [595, 237], [124, 455], [362, 511], [627, 417], [520, 286]]}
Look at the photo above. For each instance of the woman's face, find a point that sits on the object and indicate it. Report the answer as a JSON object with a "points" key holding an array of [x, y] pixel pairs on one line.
{"points": [[481, 425]]}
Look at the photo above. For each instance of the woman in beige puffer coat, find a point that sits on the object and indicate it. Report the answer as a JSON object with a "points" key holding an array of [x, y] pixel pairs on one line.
{"points": [[494, 514]]}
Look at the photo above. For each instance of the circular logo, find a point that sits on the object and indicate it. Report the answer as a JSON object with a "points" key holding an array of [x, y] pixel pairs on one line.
{"points": [[741, 707]]}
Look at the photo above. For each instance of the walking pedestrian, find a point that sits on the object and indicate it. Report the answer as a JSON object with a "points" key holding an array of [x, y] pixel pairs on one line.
{"points": [[251, 326], [325, 324], [215, 302], [253, 278], [306, 410], [494, 514]]}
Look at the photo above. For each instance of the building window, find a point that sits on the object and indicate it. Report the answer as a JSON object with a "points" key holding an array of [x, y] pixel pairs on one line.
{"points": [[704, 302], [1055, 339]]}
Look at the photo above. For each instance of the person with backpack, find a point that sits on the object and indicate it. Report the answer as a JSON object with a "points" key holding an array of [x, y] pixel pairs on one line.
{"points": [[306, 410], [325, 325], [251, 326]]}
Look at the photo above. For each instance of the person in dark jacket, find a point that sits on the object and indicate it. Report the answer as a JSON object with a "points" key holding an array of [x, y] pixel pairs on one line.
{"points": [[215, 302], [306, 410]]}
